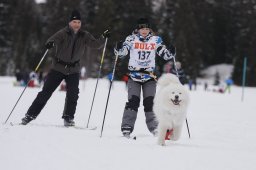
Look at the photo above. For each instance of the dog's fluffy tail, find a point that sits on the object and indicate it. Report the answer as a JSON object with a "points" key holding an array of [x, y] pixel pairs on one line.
{"points": [[168, 78]]}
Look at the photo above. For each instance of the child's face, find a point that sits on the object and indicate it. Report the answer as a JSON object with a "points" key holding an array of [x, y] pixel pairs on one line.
{"points": [[144, 31]]}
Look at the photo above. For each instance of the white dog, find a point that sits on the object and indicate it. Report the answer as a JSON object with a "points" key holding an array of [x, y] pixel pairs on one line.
{"points": [[170, 106]]}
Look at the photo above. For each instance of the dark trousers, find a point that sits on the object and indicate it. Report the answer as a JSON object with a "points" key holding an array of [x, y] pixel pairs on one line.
{"points": [[53, 80]]}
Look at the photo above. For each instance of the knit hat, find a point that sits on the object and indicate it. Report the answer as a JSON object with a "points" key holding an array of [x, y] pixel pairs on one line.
{"points": [[75, 15], [143, 23]]}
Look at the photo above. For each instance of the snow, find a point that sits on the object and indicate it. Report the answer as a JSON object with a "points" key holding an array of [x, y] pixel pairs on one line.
{"points": [[40, 1], [224, 70], [222, 133]]}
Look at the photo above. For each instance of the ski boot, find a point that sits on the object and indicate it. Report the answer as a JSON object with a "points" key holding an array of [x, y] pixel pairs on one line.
{"points": [[126, 130], [69, 122], [26, 120], [127, 134]]}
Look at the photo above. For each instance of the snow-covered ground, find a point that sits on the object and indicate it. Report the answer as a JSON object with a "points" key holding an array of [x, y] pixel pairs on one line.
{"points": [[224, 70], [222, 133]]}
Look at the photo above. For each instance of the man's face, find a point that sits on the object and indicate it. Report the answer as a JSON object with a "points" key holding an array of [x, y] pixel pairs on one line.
{"points": [[144, 31], [75, 25]]}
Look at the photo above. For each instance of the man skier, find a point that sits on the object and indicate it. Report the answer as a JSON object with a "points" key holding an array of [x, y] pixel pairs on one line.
{"points": [[70, 43]]}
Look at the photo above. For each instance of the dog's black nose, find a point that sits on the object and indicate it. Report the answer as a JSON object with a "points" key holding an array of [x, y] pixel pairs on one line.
{"points": [[176, 97]]}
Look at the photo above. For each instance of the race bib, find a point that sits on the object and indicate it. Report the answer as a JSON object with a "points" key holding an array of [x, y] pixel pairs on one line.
{"points": [[142, 54]]}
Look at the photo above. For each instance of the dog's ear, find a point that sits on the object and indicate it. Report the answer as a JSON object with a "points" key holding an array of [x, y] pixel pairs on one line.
{"points": [[167, 79]]}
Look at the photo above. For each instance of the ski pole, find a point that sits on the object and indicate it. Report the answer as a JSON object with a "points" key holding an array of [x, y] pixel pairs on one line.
{"points": [[188, 127], [177, 74], [113, 74], [36, 69], [99, 74]]}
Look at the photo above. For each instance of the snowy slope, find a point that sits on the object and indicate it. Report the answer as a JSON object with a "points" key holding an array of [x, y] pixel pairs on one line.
{"points": [[222, 129], [224, 71]]}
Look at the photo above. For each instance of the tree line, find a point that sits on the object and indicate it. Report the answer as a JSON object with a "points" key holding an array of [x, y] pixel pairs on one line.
{"points": [[205, 32]]}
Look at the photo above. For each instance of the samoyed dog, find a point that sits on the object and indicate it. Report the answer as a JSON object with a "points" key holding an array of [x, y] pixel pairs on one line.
{"points": [[170, 107]]}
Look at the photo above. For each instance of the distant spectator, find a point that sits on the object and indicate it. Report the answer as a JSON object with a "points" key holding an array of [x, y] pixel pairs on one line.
{"points": [[22, 78], [32, 75], [229, 82], [217, 79], [18, 75], [221, 88], [205, 86], [190, 84], [19, 78], [25, 76], [33, 79], [168, 67], [109, 77], [195, 83]]}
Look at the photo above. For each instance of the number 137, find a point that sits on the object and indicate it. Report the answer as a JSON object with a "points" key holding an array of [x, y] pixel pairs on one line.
{"points": [[143, 55]]}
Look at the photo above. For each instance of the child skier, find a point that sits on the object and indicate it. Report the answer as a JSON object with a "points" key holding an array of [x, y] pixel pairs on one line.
{"points": [[142, 46]]}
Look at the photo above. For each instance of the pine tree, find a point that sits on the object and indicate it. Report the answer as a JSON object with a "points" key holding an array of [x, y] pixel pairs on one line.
{"points": [[19, 35], [24, 34], [245, 41], [183, 31], [5, 35]]}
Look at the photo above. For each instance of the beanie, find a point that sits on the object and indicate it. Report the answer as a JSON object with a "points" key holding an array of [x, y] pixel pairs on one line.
{"points": [[143, 23], [75, 15]]}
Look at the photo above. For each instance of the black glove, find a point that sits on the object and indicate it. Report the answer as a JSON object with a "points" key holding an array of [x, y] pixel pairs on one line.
{"points": [[106, 34], [172, 49], [49, 44], [119, 45]]}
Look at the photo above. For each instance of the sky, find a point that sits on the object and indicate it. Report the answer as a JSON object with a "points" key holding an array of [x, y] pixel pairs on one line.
{"points": [[222, 132]]}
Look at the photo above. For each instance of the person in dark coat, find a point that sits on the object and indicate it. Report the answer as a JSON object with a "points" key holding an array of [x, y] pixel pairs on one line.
{"points": [[70, 43], [18, 75]]}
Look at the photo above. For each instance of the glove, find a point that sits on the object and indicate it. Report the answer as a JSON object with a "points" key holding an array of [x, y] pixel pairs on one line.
{"points": [[119, 45], [172, 49], [116, 52], [49, 44], [106, 34]]}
